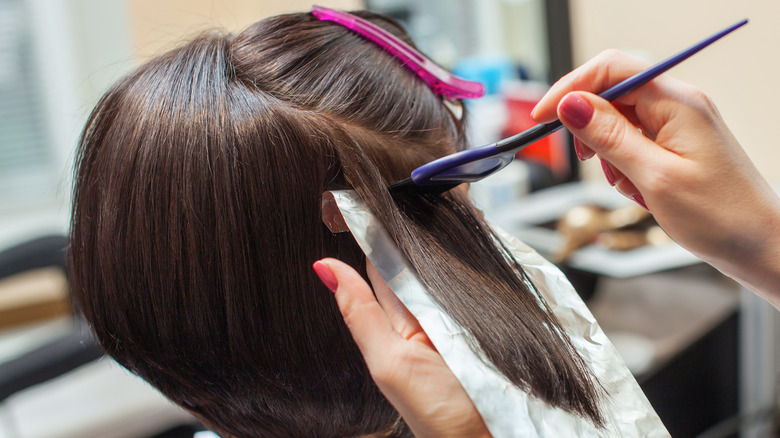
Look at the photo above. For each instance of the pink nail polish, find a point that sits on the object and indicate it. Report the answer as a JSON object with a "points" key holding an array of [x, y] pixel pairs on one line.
{"points": [[641, 201], [578, 149], [533, 112], [583, 152], [326, 275], [575, 111], [608, 173]]}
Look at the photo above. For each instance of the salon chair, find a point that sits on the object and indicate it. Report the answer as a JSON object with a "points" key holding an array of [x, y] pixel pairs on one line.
{"points": [[69, 350], [60, 355]]}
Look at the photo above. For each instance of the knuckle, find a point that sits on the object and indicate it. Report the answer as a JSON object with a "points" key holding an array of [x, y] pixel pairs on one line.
{"points": [[660, 180], [610, 55], [349, 319], [615, 57], [699, 100], [613, 65], [352, 314], [656, 182], [603, 64], [612, 132]]}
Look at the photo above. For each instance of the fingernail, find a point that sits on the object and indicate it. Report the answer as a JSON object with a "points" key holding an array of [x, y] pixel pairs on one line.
{"points": [[608, 173], [641, 201], [580, 150], [576, 111], [533, 112], [326, 275]]}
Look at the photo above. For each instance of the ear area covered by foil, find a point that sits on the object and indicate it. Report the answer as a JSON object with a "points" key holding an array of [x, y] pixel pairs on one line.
{"points": [[331, 215]]}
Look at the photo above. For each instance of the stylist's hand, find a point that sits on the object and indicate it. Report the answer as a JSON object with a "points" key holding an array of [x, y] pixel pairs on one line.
{"points": [[685, 166], [402, 361]]}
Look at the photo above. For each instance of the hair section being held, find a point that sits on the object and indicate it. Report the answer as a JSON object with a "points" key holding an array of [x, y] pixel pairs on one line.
{"points": [[476, 281]]}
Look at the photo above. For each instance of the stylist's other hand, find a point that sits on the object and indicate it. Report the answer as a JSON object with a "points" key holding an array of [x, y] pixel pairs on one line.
{"points": [[402, 361], [665, 146]]}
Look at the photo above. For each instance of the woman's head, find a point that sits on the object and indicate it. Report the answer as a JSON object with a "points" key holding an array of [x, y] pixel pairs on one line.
{"points": [[197, 217]]}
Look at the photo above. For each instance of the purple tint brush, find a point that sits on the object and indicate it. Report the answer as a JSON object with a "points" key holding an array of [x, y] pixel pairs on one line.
{"points": [[475, 164]]}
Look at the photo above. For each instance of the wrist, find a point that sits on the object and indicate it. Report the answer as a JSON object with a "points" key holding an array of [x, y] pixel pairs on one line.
{"points": [[754, 258]]}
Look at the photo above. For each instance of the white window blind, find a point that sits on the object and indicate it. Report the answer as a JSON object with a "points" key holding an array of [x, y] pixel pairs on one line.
{"points": [[27, 172]]}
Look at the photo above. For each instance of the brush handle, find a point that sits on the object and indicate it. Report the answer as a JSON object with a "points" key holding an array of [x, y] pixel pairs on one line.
{"points": [[646, 76], [538, 132]]}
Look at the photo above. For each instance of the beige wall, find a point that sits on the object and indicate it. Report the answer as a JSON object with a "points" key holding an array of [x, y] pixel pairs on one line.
{"points": [[739, 72], [157, 25]]}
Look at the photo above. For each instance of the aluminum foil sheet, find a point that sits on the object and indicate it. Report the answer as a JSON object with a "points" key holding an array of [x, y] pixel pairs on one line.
{"points": [[507, 410]]}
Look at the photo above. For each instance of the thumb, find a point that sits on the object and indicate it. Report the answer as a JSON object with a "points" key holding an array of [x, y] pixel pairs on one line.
{"points": [[368, 323], [606, 131]]}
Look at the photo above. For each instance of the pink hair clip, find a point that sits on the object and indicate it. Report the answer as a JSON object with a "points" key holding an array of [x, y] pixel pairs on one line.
{"points": [[440, 80]]}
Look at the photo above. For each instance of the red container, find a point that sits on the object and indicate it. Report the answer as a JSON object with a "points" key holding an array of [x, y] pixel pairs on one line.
{"points": [[551, 151]]}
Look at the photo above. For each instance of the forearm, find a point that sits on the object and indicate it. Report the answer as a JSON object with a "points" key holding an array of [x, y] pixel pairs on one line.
{"points": [[755, 259]]}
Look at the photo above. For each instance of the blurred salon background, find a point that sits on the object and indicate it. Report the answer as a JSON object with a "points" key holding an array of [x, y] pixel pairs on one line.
{"points": [[704, 351]]}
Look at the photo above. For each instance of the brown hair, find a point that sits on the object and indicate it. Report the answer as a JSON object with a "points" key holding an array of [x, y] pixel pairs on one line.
{"points": [[197, 216]]}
